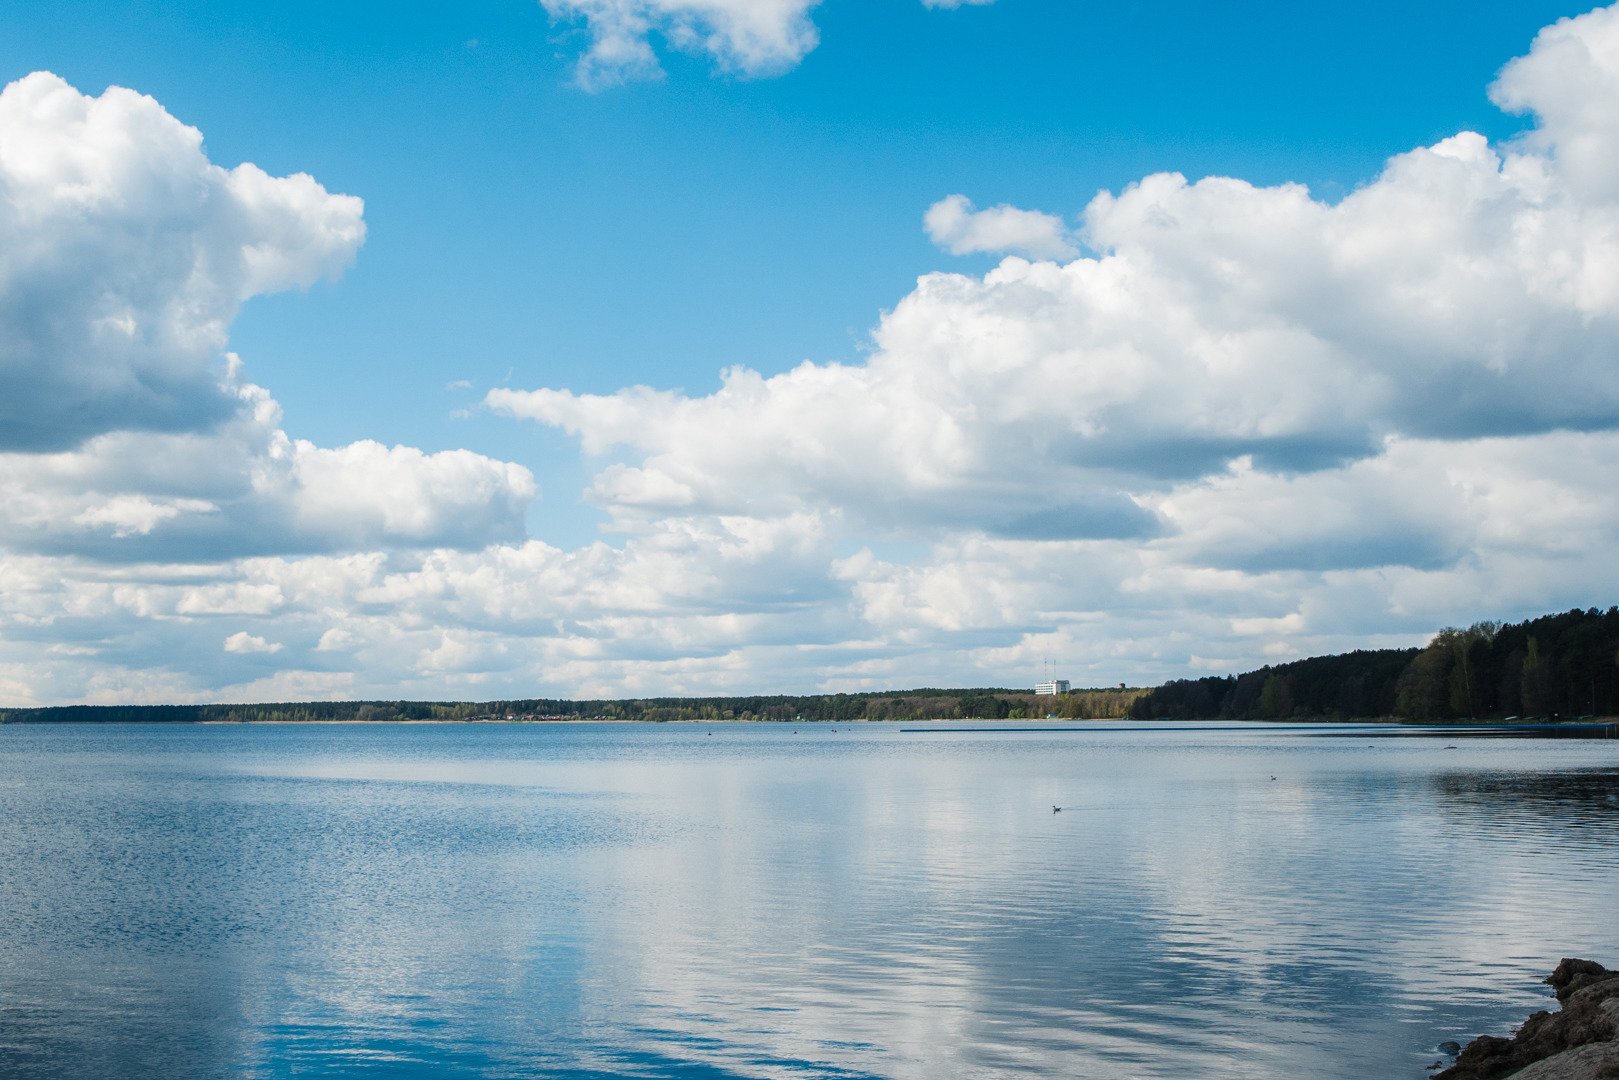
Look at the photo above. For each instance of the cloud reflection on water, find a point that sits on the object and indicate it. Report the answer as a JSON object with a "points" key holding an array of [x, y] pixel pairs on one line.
{"points": [[771, 902]]}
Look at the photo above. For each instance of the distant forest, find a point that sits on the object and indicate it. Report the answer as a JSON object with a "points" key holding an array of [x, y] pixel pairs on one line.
{"points": [[998, 704], [1556, 666]]}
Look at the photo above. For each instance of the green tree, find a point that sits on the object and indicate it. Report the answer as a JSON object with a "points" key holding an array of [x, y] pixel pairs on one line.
{"points": [[1463, 645], [1423, 692], [1535, 683], [1276, 699]]}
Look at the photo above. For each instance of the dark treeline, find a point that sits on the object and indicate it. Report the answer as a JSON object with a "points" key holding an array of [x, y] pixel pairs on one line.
{"points": [[1357, 684], [927, 704], [1552, 667]]}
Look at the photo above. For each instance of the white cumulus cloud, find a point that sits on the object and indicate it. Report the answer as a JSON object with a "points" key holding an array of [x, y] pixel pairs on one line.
{"points": [[1246, 424], [243, 642], [752, 37], [955, 226], [749, 37], [1468, 291], [124, 255], [246, 488], [126, 431], [1567, 82]]}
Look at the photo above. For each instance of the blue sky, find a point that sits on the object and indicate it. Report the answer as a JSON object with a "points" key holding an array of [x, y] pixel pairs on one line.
{"points": [[529, 234]]}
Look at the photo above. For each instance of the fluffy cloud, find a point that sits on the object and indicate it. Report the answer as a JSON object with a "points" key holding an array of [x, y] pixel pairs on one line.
{"points": [[676, 611], [133, 454], [126, 432], [750, 37], [124, 255], [1469, 291], [1567, 81], [753, 37], [708, 604], [246, 488], [243, 642], [1245, 425], [954, 225]]}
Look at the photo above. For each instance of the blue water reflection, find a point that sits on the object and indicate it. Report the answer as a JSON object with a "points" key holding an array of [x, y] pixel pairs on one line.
{"points": [[840, 901]]}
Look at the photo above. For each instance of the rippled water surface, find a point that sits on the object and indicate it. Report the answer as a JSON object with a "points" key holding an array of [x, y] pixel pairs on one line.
{"points": [[843, 900]]}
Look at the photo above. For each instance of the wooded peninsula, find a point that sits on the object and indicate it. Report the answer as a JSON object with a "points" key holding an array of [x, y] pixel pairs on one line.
{"points": [[1554, 667]]}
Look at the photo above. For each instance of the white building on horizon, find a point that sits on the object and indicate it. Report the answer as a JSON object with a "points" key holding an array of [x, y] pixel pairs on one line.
{"points": [[1052, 688]]}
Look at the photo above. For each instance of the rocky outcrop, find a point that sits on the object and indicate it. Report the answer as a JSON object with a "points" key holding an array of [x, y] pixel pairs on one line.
{"points": [[1594, 1061], [1578, 1042]]}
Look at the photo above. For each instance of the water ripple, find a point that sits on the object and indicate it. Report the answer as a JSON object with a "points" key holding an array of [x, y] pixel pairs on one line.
{"points": [[655, 901]]}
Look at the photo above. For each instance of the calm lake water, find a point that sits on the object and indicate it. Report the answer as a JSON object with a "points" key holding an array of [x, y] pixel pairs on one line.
{"points": [[844, 900]]}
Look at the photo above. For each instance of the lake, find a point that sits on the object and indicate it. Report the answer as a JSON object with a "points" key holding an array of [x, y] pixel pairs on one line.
{"points": [[840, 900]]}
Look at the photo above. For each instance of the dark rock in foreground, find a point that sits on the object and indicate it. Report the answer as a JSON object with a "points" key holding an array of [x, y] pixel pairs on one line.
{"points": [[1578, 1042]]}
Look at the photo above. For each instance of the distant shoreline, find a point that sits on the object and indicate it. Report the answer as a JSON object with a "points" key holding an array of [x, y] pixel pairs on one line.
{"points": [[1549, 673], [1606, 727]]}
